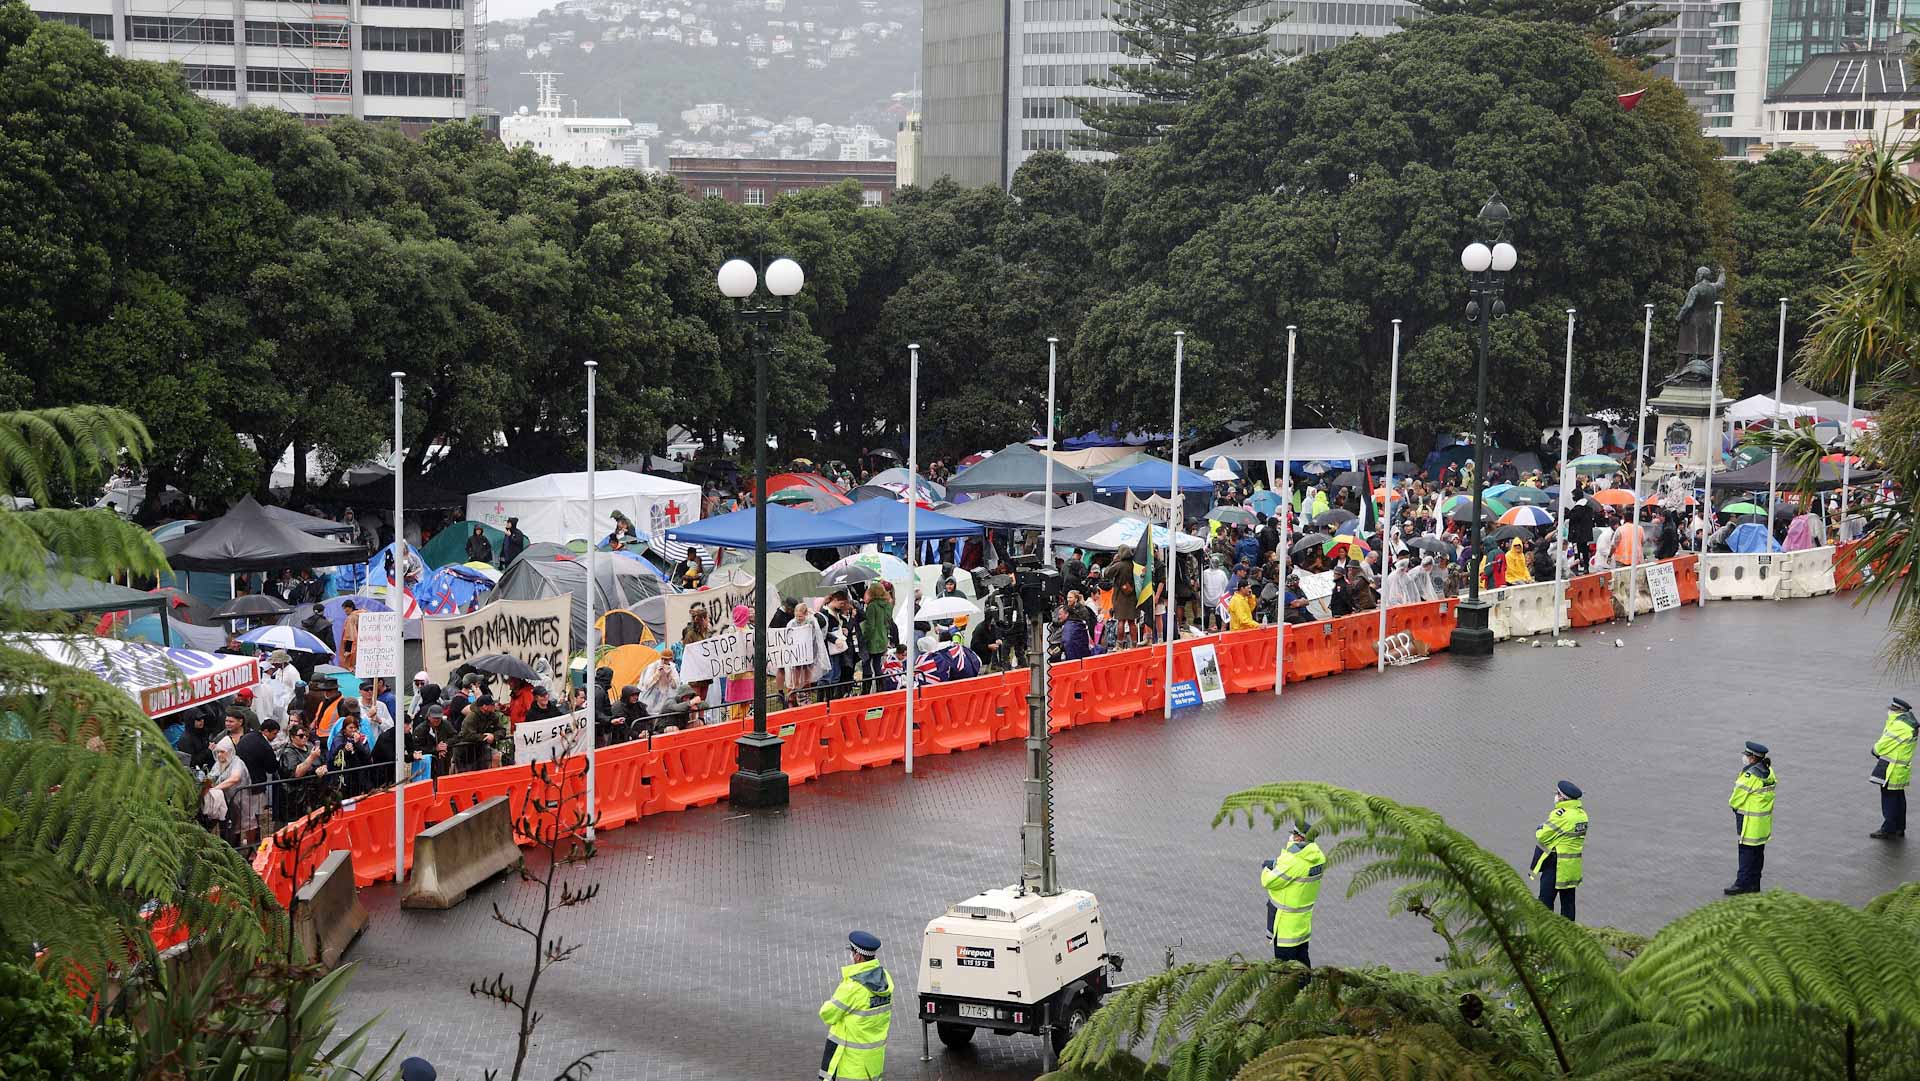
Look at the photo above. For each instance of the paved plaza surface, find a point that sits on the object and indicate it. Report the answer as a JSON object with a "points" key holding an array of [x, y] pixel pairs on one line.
{"points": [[717, 934]]}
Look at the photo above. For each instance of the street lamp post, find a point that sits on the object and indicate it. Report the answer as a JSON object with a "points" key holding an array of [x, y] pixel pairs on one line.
{"points": [[757, 780], [1487, 263]]}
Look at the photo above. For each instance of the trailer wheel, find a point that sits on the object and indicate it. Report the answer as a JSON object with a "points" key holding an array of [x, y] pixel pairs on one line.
{"points": [[954, 1035], [1071, 1020]]}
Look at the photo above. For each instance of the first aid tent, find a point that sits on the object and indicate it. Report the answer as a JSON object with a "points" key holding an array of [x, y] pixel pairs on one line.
{"points": [[554, 507]]}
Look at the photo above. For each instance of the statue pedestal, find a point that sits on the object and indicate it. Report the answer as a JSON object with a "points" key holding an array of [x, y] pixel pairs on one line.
{"points": [[1681, 439]]}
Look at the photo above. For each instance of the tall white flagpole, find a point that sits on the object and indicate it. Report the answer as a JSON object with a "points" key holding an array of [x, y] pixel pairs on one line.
{"points": [[1639, 449], [1846, 454], [593, 516], [1566, 484], [1176, 503], [913, 539], [1284, 484], [1712, 440], [1386, 502], [1779, 385], [399, 602]]}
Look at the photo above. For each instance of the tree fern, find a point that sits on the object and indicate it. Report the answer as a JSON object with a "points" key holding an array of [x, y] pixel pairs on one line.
{"points": [[1418, 1053], [1901, 906], [43, 450]]}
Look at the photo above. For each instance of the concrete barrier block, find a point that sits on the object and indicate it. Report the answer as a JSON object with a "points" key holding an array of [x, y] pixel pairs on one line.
{"points": [[455, 856], [1629, 586], [1812, 574], [1728, 576], [328, 914]]}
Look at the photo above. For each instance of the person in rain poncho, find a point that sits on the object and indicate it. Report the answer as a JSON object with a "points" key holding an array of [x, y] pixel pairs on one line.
{"points": [[1400, 586], [1517, 570]]}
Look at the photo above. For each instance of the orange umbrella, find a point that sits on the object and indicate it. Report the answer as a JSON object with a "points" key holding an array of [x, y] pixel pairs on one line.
{"points": [[1614, 497]]}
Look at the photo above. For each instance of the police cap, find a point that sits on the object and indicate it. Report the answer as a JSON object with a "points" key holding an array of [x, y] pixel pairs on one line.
{"points": [[864, 942], [1758, 750], [1899, 705], [1569, 789]]}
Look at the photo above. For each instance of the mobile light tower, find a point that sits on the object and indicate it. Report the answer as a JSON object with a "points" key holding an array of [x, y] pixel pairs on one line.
{"points": [[758, 781], [1487, 263]]}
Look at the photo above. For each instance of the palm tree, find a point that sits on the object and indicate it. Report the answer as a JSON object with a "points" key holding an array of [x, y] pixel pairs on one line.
{"points": [[97, 824], [1760, 987]]}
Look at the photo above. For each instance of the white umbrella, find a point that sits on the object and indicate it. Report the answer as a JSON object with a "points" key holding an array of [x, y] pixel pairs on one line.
{"points": [[945, 608], [284, 637], [1221, 473]]}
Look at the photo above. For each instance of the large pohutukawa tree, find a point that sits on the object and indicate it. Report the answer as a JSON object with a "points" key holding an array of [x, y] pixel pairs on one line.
{"points": [[1771, 986]]}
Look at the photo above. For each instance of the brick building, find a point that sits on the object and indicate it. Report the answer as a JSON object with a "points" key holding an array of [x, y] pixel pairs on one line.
{"points": [[759, 181]]}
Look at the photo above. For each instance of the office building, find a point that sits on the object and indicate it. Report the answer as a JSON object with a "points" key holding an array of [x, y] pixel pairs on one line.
{"points": [[1758, 46], [759, 181], [998, 77], [1836, 101], [416, 61], [1688, 52], [906, 151]]}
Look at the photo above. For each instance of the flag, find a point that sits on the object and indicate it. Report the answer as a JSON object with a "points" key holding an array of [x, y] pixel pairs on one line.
{"points": [[1628, 101]]}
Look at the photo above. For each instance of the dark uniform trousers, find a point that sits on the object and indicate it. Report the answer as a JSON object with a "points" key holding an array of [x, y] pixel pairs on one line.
{"points": [[1549, 875], [1893, 810], [1293, 953]]}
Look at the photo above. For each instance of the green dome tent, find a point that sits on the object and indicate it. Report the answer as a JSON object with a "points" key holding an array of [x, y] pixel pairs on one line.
{"points": [[450, 544]]}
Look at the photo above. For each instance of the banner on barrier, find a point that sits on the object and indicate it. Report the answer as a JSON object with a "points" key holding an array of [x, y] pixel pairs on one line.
{"points": [[728, 588], [536, 632], [732, 653], [1663, 588], [1186, 695], [542, 741], [1206, 670], [379, 646]]}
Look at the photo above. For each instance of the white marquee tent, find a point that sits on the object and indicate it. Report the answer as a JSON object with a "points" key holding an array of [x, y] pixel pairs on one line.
{"points": [[554, 507], [1309, 445]]}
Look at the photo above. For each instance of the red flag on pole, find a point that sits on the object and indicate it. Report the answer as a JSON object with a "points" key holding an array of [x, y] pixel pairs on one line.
{"points": [[1628, 101]]}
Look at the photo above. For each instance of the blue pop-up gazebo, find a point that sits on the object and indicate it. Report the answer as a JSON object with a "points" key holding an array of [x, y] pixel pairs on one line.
{"points": [[888, 518], [788, 530]]}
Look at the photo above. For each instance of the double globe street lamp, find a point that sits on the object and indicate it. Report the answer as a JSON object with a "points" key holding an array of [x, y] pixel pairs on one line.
{"points": [[758, 780], [1487, 263]]}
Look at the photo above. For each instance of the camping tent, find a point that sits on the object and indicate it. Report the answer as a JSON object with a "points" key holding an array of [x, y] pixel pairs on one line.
{"points": [[450, 544], [247, 538], [554, 507], [1308, 444], [452, 589], [619, 583], [887, 520], [1152, 477], [787, 530], [1020, 469]]}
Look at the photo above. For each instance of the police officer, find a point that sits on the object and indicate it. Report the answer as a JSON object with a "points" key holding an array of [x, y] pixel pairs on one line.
{"points": [[1752, 803], [1894, 769], [1292, 881], [858, 1015], [1560, 844]]}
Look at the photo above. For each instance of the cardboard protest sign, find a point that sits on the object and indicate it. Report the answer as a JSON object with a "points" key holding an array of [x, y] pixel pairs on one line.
{"points": [[536, 632]]}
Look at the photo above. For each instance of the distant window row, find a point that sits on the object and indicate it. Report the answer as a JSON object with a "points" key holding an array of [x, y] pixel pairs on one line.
{"points": [[1076, 41], [190, 31], [298, 35], [298, 81], [99, 26], [1063, 74], [1825, 120], [448, 5], [413, 84], [209, 76], [1047, 139], [412, 39]]}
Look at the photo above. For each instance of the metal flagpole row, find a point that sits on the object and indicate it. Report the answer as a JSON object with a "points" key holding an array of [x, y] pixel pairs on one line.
{"points": [[1639, 449], [1712, 439], [1284, 485], [1175, 502], [593, 516], [1566, 483], [1779, 385], [1386, 502], [913, 540], [399, 604]]}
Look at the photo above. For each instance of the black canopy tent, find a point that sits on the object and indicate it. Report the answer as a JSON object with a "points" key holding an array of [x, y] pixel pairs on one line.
{"points": [[1753, 478], [305, 523], [248, 539], [60, 592]]}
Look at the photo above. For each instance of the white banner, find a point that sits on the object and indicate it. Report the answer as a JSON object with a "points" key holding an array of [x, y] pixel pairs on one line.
{"points": [[379, 652], [555, 737], [727, 588], [536, 632], [1663, 587], [1154, 508], [731, 653], [1318, 589]]}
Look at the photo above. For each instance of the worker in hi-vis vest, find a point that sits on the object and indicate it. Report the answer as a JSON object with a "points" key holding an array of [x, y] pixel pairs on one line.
{"points": [[1292, 881], [858, 1015], [1894, 769], [1752, 803], [1561, 844]]}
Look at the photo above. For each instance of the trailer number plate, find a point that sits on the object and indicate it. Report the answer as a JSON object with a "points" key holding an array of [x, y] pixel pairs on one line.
{"points": [[974, 956], [985, 1013]]}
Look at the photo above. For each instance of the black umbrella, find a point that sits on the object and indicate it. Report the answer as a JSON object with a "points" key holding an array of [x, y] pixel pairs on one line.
{"points": [[252, 606], [1511, 532], [1432, 544], [1463, 512], [1334, 518], [1309, 540], [500, 664], [1520, 494], [1351, 478], [849, 575]]}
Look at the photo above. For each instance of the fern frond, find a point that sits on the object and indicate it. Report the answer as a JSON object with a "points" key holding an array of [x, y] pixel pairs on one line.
{"points": [[68, 445], [1901, 906], [1423, 1052], [37, 544]]}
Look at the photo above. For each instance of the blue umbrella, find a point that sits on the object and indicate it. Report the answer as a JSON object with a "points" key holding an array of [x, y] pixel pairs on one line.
{"points": [[284, 637], [1752, 537], [1219, 460], [1265, 501]]}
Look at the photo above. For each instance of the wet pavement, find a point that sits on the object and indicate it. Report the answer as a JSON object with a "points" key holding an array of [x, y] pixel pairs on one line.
{"points": [[716, 934]]}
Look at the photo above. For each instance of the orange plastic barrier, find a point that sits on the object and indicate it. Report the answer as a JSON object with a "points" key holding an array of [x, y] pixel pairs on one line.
{"points": [[367, 831], [801, 751], [1358, 636], [693, 768], [959, 716], [1589, 601], [1846, 566], [1686, 574], [870, 730], [1314, 650], [624, 784], [1431, 622], [1246, 659], [1013, 703], [1067, 701], [1116, 685]]}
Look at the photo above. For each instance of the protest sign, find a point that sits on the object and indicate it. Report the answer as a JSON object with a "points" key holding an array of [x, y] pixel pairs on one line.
{"points": [[1185, 695], [379, 650], [536, 632], [1154, 508], [555, 737], [732, 653], [1662, 587], [1206, 670], [1318, 588], [727, 588]]}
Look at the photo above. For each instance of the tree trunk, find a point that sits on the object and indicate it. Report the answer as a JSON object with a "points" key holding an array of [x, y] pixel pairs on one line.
{"points": [[299, 493]]}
